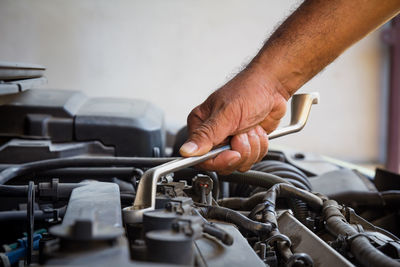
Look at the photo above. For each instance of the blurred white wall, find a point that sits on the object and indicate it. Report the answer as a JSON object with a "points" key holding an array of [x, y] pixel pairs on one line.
{"points": [[176, 52]]}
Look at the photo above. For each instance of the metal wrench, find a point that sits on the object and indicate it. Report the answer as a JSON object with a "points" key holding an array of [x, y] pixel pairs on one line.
{"points": [[145, 199]]}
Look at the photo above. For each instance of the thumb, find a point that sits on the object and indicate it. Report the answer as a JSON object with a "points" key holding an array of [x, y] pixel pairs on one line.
{"points": [[204, 136]]}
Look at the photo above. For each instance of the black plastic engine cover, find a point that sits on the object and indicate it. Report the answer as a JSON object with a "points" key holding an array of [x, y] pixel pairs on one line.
{"points": [[134, 127], [130, 127]]}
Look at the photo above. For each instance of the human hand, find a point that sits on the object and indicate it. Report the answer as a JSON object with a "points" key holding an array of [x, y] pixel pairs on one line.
{"points": [[247, 108]]}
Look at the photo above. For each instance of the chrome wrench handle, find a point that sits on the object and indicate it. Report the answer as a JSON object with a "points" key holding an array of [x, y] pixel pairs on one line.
{"points": [[145, 199], [301, 107]]}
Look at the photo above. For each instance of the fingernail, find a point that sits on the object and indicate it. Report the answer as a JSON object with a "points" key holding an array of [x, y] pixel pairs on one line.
{"points": [[234, 159], [189, 147]]}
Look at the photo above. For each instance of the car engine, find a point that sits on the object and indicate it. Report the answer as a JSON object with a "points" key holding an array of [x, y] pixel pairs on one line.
{"points": [[91, 181]]}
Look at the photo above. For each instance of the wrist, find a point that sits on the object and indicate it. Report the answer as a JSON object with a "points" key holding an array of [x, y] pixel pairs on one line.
{"points": [[290, 75], [269, 80]]}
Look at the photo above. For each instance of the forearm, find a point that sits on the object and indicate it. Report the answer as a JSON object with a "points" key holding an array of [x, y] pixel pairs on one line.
{"points": [[250, 106], [315, 34]]}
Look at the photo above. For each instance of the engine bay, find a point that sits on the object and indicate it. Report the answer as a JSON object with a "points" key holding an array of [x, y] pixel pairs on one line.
{"points": [[74, 190]]}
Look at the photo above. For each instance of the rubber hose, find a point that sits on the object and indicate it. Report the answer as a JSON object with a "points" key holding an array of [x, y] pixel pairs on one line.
{"points": [[391, 196], [20, 215], [218, 233], [273, 165], [255, 178], [368, 198], [360, 245], [294, 176], [239, 203], [285, 191], [283, 170], [278, 190], [298, 184], [289, 191], [50, 164], [13, 190], [231, 216]]}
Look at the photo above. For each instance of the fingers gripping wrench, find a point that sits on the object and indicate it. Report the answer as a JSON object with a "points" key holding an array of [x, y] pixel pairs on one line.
{"points": [[146, 194]]}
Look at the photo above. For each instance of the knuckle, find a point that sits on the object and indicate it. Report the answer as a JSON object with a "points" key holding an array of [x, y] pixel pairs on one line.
{"points": [[204, 131], [247, 154], [242, 145], [194, 114]]}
